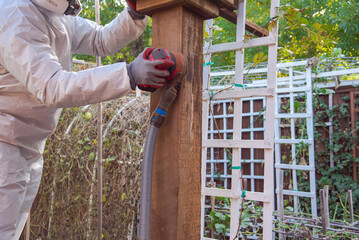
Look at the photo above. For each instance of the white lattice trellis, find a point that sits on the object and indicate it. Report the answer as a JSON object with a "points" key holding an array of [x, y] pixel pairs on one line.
{"points": [[242, 139], [290, 115]]}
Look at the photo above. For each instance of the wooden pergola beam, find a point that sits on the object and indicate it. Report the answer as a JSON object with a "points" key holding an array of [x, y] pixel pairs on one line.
{"points": [[206, 9], [230, 4], [250, 26]]}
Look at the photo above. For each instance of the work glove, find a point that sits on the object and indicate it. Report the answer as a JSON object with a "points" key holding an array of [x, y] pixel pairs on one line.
{"points": [[132, 10], [148, 75]]}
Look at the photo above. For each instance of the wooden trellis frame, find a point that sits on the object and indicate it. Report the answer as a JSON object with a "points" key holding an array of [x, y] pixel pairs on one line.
{"points": [[237, 144]]}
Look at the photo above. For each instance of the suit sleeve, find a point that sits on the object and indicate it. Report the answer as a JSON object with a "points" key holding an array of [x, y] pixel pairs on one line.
{"points": [[26, 53], [89, 38]]}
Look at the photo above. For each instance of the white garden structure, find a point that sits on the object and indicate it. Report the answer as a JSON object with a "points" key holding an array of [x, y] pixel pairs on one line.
{"points": [[236, 145], [271, 86]]}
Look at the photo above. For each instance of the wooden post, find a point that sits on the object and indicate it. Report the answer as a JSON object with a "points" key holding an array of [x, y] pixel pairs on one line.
{"points": [[281, 202], [351, 209], [324, 209], [28, 222], [177, 25], [99, 144], [213, 201], [176, 187]]}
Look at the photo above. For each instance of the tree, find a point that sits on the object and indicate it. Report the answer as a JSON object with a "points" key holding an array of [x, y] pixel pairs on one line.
{"points": [[343, 16], [314, 28], [308, 28]]}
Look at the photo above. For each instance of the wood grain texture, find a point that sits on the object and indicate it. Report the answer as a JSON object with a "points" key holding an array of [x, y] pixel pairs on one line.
{"points": [[230, 4], [151, 6], [251, 27], [176, 187], [324, 208], [206, 9]]}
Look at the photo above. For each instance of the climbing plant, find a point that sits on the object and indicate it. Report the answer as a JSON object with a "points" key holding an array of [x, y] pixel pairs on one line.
{"points": [[338, 177], [66, 206], [308, 28]]}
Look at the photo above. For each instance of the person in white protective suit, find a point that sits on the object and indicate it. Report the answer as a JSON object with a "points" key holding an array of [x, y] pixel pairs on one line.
{"points": [[37, 40]]}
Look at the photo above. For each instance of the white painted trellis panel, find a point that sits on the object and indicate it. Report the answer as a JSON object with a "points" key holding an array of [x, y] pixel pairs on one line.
{"points": [[227, 131], [291, 91], [291, 86], [237, 123], [310, 129], [235, 193], [205, 113]]}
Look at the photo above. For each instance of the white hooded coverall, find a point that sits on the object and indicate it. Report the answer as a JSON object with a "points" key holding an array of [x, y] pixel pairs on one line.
{"points": [[36, 81]]}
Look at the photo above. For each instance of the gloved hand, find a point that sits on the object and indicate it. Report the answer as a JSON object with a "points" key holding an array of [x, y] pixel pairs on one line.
{"points": [[146, 74], [132, 10]]}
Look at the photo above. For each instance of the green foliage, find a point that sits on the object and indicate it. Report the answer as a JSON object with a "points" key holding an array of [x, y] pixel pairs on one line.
{"points": [[219, 219], [67, 195], [343, 17], [315, 27], [339, 177], [302, 34], [221, 222], [307, 28], [223, 32]]}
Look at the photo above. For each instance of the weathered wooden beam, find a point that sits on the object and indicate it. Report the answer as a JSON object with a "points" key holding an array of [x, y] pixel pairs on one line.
{"points": [[230, 4], [255, 29], [351, 208], [204, 8], [250, 26], [176, 187]]}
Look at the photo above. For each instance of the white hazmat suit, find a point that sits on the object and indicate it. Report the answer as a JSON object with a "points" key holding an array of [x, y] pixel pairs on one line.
{"points": [[36, 81]]}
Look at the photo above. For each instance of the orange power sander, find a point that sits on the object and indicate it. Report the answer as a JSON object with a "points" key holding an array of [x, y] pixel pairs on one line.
{"points": [[177, 68]]}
